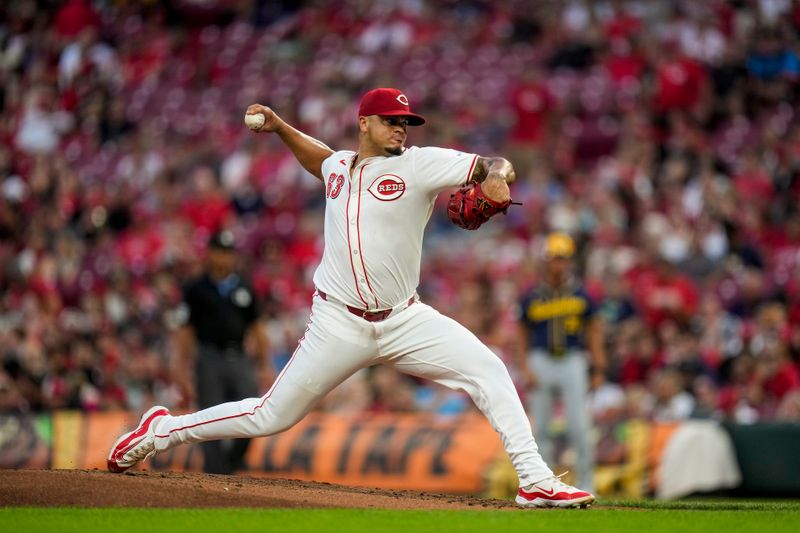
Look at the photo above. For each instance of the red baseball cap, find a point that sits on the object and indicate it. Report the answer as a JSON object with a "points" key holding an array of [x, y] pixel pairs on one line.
{"points": [[388, 103]]}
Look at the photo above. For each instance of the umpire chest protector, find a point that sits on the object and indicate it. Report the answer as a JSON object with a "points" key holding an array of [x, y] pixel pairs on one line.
{"points": [[220, 312]]}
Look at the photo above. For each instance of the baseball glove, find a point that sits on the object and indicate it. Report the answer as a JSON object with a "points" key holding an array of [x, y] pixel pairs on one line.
{"points": [[469, 207]]}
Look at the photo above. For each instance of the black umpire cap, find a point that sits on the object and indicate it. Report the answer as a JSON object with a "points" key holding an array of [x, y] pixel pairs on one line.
{"points": [[222, 240]]}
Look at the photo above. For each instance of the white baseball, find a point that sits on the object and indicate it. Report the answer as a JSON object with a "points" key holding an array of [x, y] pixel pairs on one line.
{"points": [[254, 121]]}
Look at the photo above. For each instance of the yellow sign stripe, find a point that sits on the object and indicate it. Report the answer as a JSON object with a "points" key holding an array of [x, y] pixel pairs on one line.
{"points": [[67, 439]]}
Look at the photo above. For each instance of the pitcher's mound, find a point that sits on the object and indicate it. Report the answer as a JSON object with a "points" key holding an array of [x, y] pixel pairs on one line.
{"points": [[94, 488]]}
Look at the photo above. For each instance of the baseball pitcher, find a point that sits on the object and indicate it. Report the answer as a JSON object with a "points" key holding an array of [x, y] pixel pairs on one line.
{"points": [[365, 309]]}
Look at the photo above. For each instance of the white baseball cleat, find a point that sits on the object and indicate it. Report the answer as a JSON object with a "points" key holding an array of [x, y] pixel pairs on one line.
{"points": [[552, 492], [138, 444]]}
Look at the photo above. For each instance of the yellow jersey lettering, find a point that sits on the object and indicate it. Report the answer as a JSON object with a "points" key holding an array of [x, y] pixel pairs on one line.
{"points": [[540, 310], [573, 324]]}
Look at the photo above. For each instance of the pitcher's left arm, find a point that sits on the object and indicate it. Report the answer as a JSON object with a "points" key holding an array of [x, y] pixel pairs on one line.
{"points": [[494, 174]]}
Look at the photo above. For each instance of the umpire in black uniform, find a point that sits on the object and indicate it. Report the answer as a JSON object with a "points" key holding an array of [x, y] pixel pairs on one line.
{"points": [[222, 313]]}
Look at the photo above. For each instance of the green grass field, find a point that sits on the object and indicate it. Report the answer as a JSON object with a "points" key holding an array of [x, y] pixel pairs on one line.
{"points": [[708, 515]]}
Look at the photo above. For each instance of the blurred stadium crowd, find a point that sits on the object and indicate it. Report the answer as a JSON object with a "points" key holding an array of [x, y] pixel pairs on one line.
{"points": [[662, 135]]}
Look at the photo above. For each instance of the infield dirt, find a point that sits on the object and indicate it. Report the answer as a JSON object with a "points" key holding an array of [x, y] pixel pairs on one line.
{"points": [[95, 488]]}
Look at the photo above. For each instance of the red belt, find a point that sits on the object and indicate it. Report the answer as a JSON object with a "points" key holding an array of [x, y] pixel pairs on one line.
{"points": [[369, 316]]}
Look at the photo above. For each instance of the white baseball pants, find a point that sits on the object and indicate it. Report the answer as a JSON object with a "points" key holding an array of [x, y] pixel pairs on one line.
{"points": [[417, 340]]}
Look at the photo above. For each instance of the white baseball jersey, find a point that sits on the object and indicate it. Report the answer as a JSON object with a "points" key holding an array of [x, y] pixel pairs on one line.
{"points": [[375, 221]]}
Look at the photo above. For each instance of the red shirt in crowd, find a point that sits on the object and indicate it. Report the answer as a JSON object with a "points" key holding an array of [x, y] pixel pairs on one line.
{"points": [[622, 25], [209, 213], [785, 380], [754, 186], [74, 16], [532, 103], [679, 84], [663, 297], [141, 248], [625, 68], [634, 369]]}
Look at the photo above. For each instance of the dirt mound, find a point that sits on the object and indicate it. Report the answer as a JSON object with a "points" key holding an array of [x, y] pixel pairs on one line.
{"points": [[94, 488]]}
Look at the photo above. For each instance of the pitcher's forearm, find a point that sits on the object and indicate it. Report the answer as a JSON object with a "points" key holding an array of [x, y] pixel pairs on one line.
{"points": [[308, 151], [494, 168], [494, 174]]}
